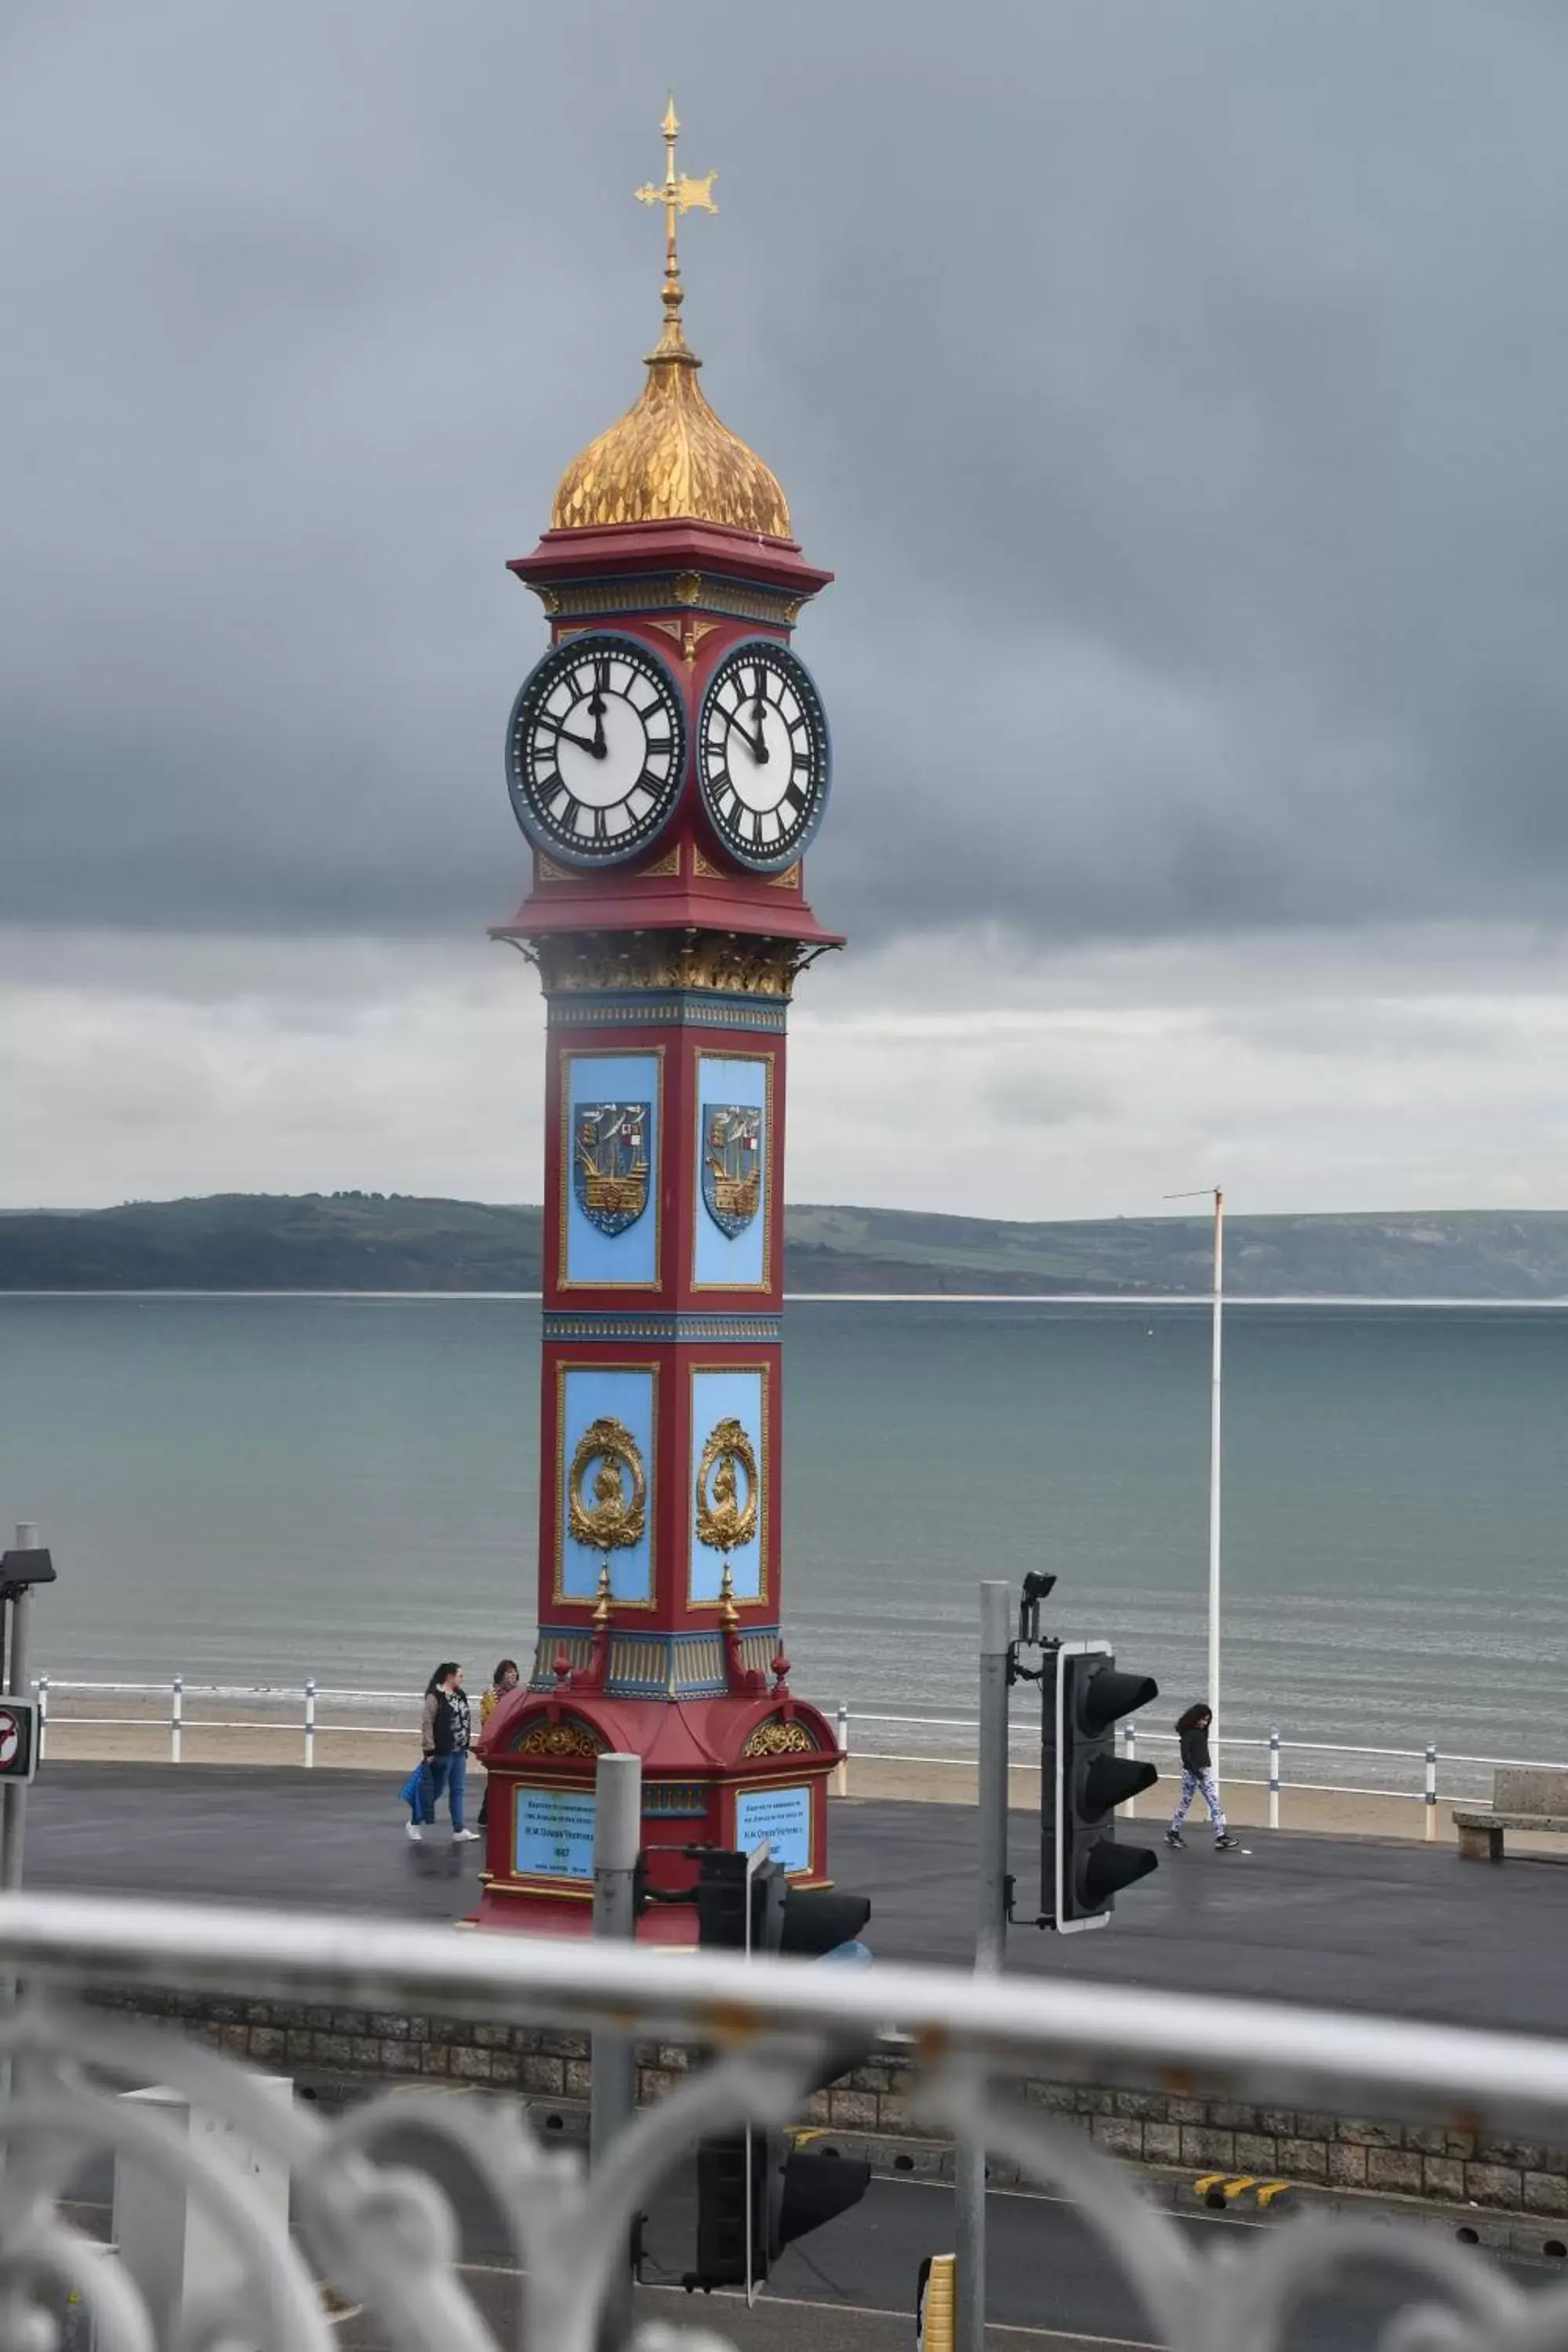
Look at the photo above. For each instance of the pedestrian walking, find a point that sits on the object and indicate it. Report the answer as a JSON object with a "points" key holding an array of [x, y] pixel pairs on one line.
{"points": [[1199, 1779], [505, 1678], [443, 1739]]}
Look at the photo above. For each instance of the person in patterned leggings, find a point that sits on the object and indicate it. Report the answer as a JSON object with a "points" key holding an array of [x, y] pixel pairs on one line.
{"points": [[1199, 1779]]}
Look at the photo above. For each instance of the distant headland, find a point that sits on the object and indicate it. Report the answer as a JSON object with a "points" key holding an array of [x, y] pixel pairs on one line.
{"points": [[372, 1241]]}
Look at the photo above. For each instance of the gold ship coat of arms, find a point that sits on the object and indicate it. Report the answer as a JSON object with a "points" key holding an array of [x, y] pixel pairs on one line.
{"points": [[610, 1162], [732, 1165]]}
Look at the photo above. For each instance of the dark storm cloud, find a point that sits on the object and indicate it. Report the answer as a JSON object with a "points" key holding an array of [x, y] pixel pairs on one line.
{"points": [[1177, 390]]}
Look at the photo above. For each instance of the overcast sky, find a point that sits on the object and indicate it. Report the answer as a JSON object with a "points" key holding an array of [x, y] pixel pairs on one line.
{"points": [[1177, 388]]}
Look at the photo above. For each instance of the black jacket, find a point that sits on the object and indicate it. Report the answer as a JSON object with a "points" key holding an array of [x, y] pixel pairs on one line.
{"points": [[1196, 1749]]}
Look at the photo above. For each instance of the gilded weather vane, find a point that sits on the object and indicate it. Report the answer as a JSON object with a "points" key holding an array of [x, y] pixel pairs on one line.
{"points": [[678, 194]]}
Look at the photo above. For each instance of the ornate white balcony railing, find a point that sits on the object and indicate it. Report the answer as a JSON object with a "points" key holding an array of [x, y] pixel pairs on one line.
{"points": [[381, 2234]]}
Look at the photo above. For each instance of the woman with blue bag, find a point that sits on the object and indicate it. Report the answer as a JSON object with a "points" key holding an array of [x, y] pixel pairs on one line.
{"points": [[444, 1764]]}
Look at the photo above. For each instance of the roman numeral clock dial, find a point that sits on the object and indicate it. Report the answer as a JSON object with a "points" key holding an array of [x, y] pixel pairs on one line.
{"points": [[596, 750], [763, 754]]}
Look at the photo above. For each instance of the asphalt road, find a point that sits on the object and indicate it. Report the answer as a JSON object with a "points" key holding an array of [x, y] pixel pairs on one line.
{"points": [[1353, 1923]]}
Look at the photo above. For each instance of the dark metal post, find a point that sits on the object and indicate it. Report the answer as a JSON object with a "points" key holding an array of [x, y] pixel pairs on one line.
{"points": [[617, 1841], [990, 1942], [13, 1826]]}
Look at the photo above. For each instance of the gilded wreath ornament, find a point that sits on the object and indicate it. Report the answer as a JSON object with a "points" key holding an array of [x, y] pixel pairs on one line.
{"points": [[776, 1738], [727, 1520], [559, 1739], [615, 1516]]}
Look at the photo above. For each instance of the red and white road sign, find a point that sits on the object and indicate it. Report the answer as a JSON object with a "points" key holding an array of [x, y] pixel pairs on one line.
{"points": [[18, 1739]]}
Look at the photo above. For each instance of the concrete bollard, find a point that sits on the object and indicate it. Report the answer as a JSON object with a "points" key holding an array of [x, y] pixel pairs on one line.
{"points": [[167, 2241]]}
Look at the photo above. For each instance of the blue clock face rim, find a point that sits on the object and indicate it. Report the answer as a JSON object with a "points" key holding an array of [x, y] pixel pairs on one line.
{"points": [[765, 813], [596, 750]]}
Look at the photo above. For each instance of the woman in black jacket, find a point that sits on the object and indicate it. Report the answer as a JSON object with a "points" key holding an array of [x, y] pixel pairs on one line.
{"points": [[1197, 1774]]}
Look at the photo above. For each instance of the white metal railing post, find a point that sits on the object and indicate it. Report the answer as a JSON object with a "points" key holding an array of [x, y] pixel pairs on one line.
{"points": [[310, 1723], [42, 1687], [1430, 1808], [841, 1769], [1274, 1776], [176, 1717], [1130, 1751]]}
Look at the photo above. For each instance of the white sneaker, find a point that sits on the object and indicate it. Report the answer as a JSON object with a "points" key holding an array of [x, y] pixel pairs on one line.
{"points": [[413, 1829], [465, 1837]]}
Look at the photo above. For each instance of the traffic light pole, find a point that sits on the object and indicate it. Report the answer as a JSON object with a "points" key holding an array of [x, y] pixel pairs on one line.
{"points": [[611, 2098], [990, 1943], [13, 1826]]}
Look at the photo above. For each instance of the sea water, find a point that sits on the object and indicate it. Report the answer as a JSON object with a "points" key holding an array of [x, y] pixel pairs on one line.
{"points": [[262, 1489]]}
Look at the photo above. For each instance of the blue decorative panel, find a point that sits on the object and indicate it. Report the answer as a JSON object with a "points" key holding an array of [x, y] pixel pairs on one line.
{"points": [[718, 1397], [611, 1109], [780, 1816], [554, 1832], [734, 1115], [615, 1480]]}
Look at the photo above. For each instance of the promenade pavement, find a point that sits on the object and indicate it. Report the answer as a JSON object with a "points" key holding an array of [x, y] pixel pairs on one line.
{"points": [[1355, 1924]]}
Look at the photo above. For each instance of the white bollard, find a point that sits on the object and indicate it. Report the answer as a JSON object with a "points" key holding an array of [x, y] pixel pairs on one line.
{"points": [[168, 2241], [309, 1724], [1130, 1756], [841, 1769], [176, 1718], [43, 1690], [1274, 1777], [1431, 1805]]}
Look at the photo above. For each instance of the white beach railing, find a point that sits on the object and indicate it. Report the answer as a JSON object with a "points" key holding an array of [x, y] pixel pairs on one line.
{"points": [[315, 1711]]}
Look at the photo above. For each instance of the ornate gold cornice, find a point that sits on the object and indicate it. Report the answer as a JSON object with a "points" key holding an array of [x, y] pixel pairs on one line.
{"points": [[719, 962], [664, 592]]}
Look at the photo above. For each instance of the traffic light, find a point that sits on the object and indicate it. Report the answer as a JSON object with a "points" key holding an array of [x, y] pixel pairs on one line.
{"points": [[755, 2193], [1083, 1781]]}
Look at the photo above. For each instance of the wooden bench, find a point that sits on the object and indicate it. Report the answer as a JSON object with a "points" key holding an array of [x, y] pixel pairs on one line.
{"points": [[1521, 1800]]}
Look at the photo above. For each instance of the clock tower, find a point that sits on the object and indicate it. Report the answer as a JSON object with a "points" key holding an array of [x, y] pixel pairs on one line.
{"points": [[668, 762]]}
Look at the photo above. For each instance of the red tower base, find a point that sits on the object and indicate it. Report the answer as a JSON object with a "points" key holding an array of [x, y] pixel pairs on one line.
{"points": [[728, 1771]]}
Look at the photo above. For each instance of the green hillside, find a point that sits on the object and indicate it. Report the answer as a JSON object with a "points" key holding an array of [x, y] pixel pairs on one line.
{"points": [[370, 1241]]}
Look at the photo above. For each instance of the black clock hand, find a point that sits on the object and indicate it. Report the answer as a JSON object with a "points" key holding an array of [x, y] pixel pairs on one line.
{"points": [[756, 744], [595, 744]]}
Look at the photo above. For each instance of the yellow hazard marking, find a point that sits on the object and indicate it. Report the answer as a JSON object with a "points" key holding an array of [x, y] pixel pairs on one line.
{"points": [[1235, 2185]]}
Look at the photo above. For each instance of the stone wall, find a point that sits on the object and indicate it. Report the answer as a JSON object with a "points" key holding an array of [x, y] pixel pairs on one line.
{"points": [[334, 2051]]}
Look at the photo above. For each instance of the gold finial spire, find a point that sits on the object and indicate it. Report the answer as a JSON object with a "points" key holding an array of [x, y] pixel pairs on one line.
{"points": [[679, 194]]}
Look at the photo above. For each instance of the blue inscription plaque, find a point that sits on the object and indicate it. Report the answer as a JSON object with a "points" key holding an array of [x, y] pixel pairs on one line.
{"points": [[782, 1816], [555, 1832]]}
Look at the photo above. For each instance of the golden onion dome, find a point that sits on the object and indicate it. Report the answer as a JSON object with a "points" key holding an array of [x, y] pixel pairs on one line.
{"points": [[669, 457]]}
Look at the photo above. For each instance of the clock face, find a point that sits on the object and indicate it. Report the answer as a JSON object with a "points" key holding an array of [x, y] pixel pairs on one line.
{"points": [[596, 749], [761, 754]]}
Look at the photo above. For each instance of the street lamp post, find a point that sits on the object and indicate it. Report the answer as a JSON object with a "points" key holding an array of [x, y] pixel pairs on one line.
{"points": [[1217, 1423]]}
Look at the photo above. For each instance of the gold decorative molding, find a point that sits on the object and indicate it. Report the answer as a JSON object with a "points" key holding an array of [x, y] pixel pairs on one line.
{"points": [[651, 592], [668, 864], [776, 1738], [701, 865], [789, 879], [572, 1738], [548, 871], [727, 1520], [716, 961], [616, 1519]]}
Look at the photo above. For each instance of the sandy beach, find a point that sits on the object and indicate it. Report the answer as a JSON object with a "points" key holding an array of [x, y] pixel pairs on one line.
{"points": [[383, 1739]]}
